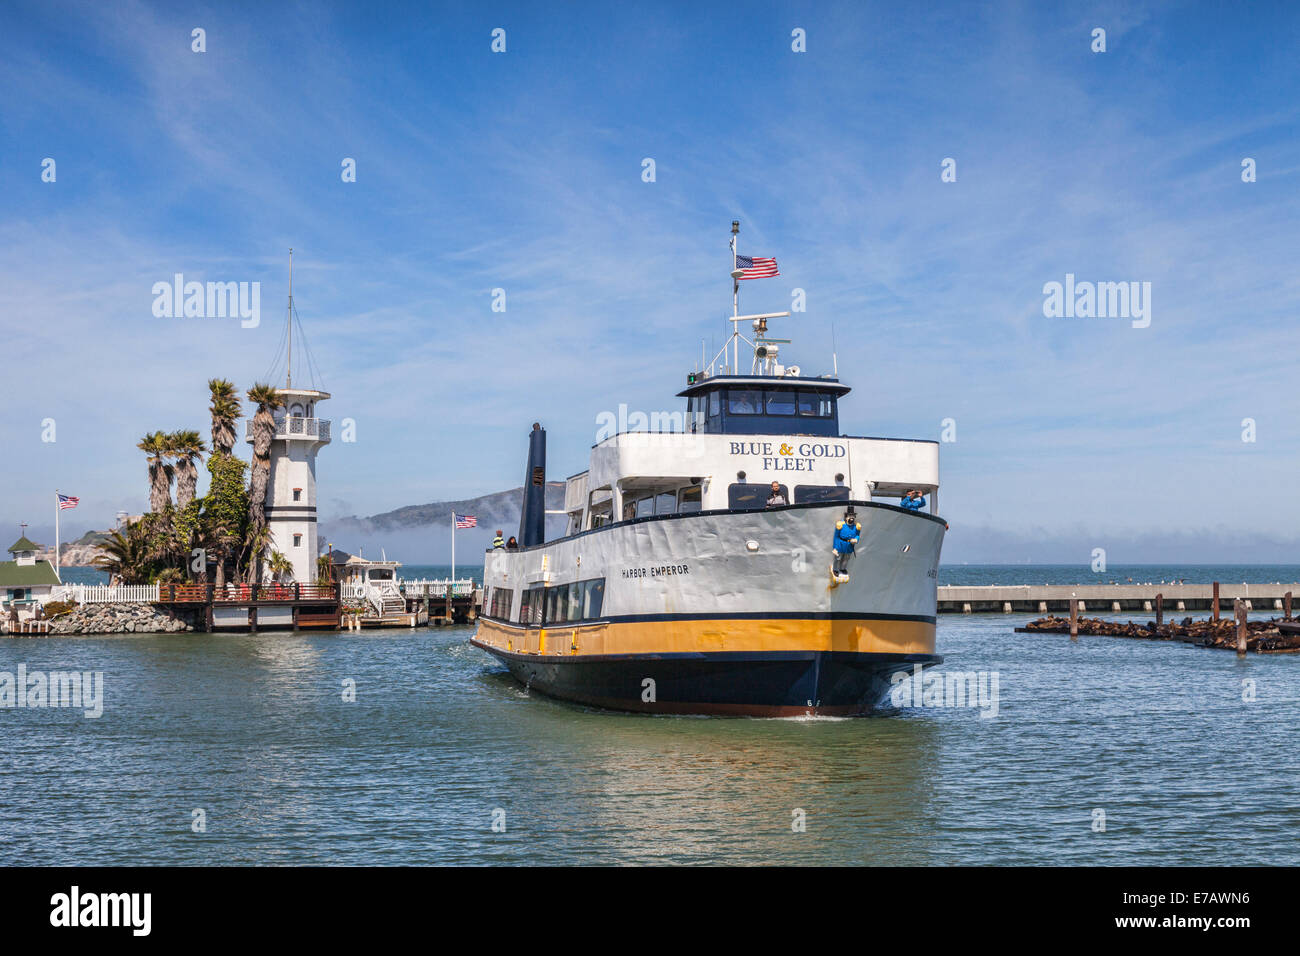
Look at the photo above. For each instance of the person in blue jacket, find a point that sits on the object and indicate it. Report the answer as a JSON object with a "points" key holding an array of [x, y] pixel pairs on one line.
{"points": [[913, 501], [846, 536]]}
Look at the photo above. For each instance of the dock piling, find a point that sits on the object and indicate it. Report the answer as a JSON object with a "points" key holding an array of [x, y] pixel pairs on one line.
{"points": [[1286, 600], [1215, 600], [1160, 610], [1074, 619], [1239, 609]]}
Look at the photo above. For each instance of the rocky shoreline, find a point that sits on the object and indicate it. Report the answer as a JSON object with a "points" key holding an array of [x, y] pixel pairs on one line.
{"points": [[1261, 636], [122, 619]]}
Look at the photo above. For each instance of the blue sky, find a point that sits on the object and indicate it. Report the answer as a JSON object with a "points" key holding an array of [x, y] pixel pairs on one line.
{"points": [[522, 170]]}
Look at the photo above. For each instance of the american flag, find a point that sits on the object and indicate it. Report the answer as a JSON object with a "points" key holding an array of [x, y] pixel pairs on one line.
{"points": [[68, 501], [465, 521], [756, 267]]}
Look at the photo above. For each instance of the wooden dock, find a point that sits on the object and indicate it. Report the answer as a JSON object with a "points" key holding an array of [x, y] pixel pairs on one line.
{"points": [[1113, 598], [449, 607], [252, 606]]}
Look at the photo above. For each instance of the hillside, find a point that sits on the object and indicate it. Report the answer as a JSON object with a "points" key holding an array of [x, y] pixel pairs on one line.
{"points": [[79, 553], [422, 533], [500, 509]]}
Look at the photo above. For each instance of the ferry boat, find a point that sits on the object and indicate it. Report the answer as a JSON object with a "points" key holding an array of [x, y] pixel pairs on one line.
{"points": [[685, 585]]}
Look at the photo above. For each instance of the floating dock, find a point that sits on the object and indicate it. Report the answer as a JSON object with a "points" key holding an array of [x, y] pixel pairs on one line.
{"points": [[1112, 598]]}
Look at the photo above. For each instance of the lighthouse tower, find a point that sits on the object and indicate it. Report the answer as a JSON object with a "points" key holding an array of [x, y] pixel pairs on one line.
{"points": [[291, 488]]}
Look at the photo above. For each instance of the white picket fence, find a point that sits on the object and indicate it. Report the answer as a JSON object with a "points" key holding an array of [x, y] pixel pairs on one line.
{"points": [[105, 593]]}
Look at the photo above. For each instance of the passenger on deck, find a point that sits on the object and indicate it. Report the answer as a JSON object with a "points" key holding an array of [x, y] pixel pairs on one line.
{"points": [[512, 544], [498, 542], [776, 499], [913, 501]]}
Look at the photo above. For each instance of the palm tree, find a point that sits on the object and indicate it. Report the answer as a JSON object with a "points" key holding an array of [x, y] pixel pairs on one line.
{"points": [[279, 566], [220, 546], [267, 400], [125, 556], [324, 569], [225, 414], [255, 548], [186, 445], [157, 445]]}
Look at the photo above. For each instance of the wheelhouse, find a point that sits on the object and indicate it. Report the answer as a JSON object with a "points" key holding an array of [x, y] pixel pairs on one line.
{"points": [[763, 405]]}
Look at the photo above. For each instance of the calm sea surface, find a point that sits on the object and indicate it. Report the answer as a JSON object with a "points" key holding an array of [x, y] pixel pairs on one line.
{"points": [[253, 730]]}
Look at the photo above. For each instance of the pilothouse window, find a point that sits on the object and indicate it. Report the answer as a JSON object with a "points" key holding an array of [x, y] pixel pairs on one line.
{"points": [[745, 401], [780, 403], [815, 404]]}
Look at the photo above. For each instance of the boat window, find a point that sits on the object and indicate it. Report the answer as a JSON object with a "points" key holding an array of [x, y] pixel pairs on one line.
{"points": [[715, 403], [557, 604], [666, 503], [645, 507], [747, 497], [816, 404], [575, 601], [593, 598], [381, 574], [530, 610], [780, 402], [689, 500], [502, 598], [806, 493], [744, 401]]}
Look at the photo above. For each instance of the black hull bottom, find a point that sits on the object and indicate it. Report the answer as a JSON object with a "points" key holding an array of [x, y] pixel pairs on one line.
{"points": [[743, 684]]}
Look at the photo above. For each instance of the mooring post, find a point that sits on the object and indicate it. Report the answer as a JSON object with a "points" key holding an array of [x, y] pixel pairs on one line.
{"points": [[1216, 600], [1286, 600], [1239, 608], [1074, 618], [1160, 610]]}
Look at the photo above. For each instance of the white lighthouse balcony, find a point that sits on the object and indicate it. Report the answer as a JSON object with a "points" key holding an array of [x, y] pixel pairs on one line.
{"points": [[291, 426]]}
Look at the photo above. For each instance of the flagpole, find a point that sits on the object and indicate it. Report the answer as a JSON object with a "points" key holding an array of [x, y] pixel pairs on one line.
{"points": [[57, 563], [453, 548], [735, 291]]}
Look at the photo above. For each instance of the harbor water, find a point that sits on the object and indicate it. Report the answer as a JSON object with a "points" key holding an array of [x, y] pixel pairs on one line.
{"points": [[1101, 752]]}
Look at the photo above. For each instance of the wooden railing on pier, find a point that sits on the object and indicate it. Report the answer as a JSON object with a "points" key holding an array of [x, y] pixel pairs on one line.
{"points": [[245, 593]]}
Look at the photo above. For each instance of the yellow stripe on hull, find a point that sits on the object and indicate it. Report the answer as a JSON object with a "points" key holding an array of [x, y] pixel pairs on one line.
{"points": [[853, 635]]}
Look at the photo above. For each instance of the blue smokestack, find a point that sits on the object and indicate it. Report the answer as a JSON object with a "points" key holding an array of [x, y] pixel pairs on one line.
{"points": [[532, 517]]}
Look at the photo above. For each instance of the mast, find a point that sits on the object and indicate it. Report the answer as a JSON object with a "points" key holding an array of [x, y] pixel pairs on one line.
{"points": [[735, 288], [288, 356]]}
